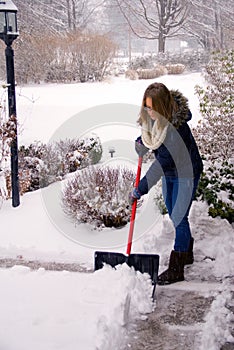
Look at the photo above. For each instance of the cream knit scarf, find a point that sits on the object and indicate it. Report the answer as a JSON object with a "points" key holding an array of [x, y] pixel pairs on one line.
{"points": [[153, 136]]}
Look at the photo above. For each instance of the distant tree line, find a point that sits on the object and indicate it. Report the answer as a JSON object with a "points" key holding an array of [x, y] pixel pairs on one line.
{"points": [[210, 22], [67, 57], [75, 40]]}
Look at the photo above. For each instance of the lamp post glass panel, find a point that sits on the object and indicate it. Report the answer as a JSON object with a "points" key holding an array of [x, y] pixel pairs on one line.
{"points": [[8, 33]]}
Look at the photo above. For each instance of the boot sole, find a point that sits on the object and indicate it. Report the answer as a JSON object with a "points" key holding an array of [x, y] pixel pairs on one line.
{"points": [[163, 283]]}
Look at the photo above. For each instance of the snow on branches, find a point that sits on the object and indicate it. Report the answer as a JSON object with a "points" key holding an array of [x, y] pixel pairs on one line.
{"points": [[99, 196]]}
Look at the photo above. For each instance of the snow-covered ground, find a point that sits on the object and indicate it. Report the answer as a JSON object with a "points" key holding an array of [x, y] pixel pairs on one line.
{"points": [[72, 310]]}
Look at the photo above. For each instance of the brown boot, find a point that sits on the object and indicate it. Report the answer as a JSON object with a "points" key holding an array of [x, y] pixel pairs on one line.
{"points": [[189, 257], [175, 271]]}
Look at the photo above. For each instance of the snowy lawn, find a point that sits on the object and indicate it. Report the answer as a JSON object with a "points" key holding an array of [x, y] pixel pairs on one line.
{"points": [[64, 310]]}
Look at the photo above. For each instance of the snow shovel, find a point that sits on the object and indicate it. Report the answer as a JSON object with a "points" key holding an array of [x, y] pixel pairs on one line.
{"points": [[145, 263]]}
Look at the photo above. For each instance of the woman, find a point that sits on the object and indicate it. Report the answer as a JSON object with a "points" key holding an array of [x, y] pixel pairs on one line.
{"points": [[164, 129]]}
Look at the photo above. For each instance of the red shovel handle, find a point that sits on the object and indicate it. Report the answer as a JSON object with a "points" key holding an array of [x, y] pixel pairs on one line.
{"points": [[132, 220]]}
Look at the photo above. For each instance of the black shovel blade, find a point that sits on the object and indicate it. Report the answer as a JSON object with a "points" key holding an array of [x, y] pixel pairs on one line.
{"points": [[112, 259], [145, 263]]}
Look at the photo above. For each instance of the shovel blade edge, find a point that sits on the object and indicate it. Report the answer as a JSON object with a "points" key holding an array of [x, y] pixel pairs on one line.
{"points": [[145, 263]]}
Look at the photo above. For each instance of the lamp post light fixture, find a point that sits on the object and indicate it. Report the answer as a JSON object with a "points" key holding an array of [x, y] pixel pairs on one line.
{"points": [[8, 33]]}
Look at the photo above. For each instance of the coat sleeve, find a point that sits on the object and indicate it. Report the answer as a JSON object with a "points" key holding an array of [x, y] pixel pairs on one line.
{"points": [[150, 179]]}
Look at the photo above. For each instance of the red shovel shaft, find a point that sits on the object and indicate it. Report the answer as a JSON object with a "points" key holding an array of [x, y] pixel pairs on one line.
{"points": [[134, 206]]}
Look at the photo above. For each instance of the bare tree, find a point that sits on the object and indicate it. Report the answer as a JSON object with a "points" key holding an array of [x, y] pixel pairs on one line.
{"points": [[155, 19], [211, 23], [56, 15]]}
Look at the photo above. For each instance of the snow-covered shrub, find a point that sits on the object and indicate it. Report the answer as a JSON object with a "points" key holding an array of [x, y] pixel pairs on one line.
{"points": [[214, 132], [24, 182], [215, 136], [158, 198], [216, 187], [99, 196], [175, 68], [42, 164], [93, 147], [155, 72], [3, 188], [192, 60], [131, 74], [79, 153], [7, 128]]}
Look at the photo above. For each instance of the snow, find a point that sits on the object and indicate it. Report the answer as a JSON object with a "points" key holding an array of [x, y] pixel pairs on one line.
{"points": [[65, 310], [61, 310], [217, 320]]}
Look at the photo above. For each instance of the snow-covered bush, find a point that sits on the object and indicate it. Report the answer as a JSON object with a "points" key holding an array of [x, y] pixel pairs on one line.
{"points": [[44, 164], [80, 153], [215, 136], [94, 148], [131, 74], [158, 198], [215, 131], [155, 72], [175, 68], [216, 187], [6, 135], [99, 196], [39, 163], [192, 60]]}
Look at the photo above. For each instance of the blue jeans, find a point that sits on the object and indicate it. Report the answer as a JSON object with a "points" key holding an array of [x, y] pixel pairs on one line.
{"points": [[178, 194]]}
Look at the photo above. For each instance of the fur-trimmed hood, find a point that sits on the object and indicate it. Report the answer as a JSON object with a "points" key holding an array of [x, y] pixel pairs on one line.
{"points": [[183, 114]]}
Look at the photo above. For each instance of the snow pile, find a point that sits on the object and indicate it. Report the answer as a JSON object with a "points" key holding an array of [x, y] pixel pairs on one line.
{"points": [[64, 310], [133, 292], [214, 241], [216, 330]]}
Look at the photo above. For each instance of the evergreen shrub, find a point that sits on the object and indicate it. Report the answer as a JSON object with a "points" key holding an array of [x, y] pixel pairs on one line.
{"points": [[215, 137]]}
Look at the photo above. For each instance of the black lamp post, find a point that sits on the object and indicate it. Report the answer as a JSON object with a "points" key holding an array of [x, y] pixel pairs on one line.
{"points": [[8, 33]]}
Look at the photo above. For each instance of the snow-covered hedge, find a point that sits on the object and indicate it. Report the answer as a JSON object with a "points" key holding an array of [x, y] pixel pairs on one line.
{"points": [[216, 187], [175, 68], [214, 132], [47, 163], [155, 72], [99, 196], [131, 74], [192, 61], [215, 137]]}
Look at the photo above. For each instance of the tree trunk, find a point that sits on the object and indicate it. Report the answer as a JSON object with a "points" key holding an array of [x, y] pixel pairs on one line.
{"points": [[73, 14], [161, 43], [68, 14]]}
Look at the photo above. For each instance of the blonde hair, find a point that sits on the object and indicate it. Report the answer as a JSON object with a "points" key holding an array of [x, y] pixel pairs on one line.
{"points": [[162, 102]]}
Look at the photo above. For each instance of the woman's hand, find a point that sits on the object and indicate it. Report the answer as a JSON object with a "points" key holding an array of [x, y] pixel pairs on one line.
{"points": [[134, 196]]}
